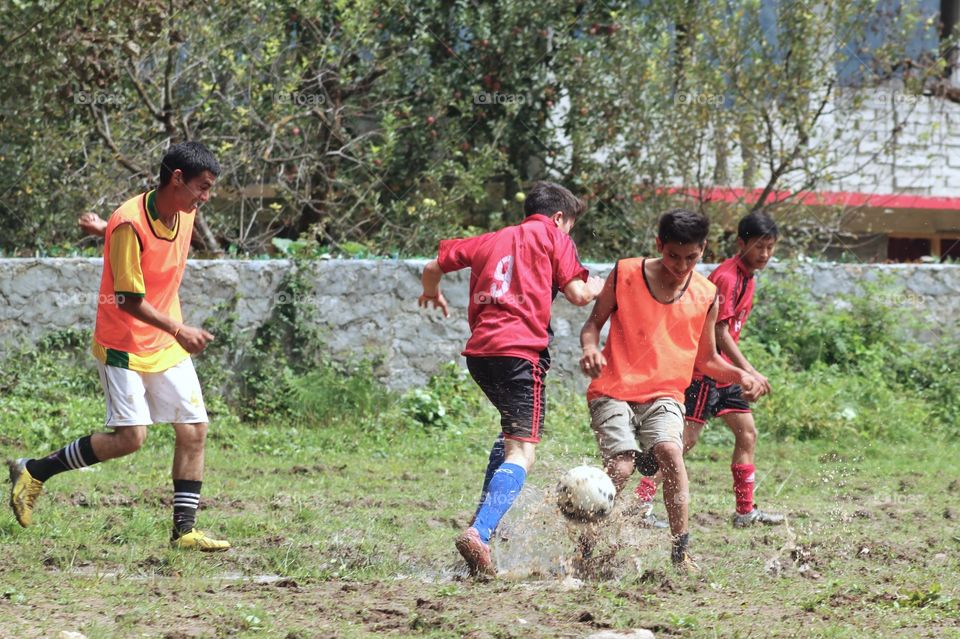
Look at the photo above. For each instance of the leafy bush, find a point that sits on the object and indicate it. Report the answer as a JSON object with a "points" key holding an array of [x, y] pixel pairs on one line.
{"points": [[334, 392], [49, 392], [853, 331], [448, 400], [850, 367]]}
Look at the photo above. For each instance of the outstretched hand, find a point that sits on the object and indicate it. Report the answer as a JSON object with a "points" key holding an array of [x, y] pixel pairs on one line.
{"points": [[437, 301], [92, 224]]}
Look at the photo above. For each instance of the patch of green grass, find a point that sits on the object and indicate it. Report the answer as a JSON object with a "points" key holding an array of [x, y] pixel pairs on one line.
{"points": [[377, 517], [333, 489]]}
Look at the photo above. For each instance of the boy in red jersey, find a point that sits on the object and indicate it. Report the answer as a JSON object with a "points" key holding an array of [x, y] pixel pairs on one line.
{"points": [[757, 236], [662, 316], [516, 273]]}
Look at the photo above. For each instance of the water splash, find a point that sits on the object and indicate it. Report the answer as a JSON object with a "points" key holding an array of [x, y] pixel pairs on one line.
{"points": [[535, 541]]}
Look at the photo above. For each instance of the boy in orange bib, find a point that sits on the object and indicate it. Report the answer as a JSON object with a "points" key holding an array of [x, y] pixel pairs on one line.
{"points": [[143, 347], [662, 315], [735, 280]]}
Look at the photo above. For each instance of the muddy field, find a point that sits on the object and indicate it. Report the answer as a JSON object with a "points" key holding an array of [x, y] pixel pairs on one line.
{"points": [[870, 549]]}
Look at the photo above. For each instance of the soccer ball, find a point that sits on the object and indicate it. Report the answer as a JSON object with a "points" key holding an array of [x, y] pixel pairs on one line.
{"points": [[586, 494]]}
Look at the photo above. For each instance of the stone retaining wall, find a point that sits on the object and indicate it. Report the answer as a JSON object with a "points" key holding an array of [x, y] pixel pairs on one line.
{"points": [[369, 306]]}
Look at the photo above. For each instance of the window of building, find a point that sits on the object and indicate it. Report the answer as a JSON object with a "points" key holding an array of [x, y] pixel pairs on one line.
{"points": [[950, 249], [908, 249]]}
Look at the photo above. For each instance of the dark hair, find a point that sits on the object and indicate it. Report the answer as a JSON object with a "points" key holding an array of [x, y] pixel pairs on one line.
{"points": [[681, 226], [757, 224], [547, 198], [192, 158]]}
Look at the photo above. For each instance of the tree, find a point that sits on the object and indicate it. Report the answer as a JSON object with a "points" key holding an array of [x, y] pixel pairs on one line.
{"points": [[381, 128]]}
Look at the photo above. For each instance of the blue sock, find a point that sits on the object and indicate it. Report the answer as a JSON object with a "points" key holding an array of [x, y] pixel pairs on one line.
{"points": [[496, 458], [504, 488]]}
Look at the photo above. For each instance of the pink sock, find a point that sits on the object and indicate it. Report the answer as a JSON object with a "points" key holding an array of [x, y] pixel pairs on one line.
{"points": [[646, 489], [743, 486]]}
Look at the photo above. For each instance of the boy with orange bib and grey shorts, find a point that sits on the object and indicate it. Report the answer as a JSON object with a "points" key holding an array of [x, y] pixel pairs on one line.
{"points": [[662, 316], [757, 236]]}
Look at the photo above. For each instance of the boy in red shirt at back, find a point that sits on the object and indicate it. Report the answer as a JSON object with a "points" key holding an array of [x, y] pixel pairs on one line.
{"points": [[515, 274], [757, 236]]}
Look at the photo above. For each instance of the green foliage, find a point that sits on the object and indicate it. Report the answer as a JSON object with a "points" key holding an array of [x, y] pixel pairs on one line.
{"points": [[333, 393], [930, 596], [864, 328], [850, 367], [448, 400], [378, 128], [50, 393]]}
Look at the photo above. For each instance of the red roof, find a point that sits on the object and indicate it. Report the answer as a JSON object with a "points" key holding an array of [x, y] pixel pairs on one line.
{"points": [[824, 198]]}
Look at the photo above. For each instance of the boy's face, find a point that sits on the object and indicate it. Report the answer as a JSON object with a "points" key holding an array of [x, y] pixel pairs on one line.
{"points": [[190, 194], [756, 252], [680, 259]]}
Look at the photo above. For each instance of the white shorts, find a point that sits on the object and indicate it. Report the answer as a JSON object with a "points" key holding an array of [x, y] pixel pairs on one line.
{"points": [[140, 399]]}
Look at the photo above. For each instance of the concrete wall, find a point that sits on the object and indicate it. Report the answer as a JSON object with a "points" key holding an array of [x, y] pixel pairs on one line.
{"points": [[923, 158], [369, 307]]}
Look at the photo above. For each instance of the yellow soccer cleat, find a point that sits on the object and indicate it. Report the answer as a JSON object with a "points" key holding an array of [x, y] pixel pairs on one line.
{"points": [[199, 540], [23, 492]]}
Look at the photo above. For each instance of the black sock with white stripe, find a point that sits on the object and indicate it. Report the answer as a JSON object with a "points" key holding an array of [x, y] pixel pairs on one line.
{"points": [[75, 455], [186, 501]]}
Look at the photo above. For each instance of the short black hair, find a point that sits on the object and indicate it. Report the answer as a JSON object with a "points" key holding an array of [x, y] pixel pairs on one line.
{"points": [[192, 158], [681, 226], [757, 224], [546, 198]]}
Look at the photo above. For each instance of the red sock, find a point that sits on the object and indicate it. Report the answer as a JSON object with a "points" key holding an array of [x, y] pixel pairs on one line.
{"points": [[743, 486], [646, 489]]}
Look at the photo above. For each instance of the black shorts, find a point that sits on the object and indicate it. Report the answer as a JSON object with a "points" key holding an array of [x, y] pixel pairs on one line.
{"points": [[516, 387], [704, 400]]}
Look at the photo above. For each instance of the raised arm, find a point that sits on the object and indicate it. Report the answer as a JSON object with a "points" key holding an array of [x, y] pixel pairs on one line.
{"points": [[92, 224]]}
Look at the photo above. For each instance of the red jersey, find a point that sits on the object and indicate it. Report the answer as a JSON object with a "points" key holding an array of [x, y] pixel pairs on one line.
{"points": [[515, 274], [735, 288]]}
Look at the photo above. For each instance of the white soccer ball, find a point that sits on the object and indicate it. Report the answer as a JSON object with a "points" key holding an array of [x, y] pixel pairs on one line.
{"points": [[585, 493]]}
